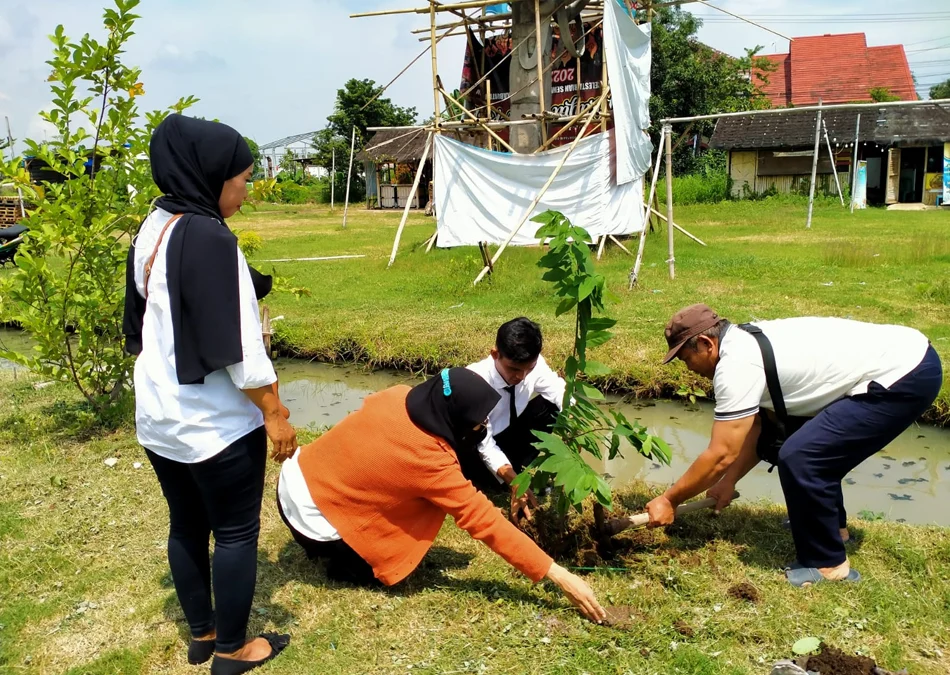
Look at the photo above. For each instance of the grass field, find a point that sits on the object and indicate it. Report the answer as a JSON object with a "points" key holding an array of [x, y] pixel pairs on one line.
{"points": [[760, 263], [85, 588]]}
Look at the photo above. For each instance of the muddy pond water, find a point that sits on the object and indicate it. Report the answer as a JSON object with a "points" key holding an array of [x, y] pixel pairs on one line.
{"points": [[908, 481]]}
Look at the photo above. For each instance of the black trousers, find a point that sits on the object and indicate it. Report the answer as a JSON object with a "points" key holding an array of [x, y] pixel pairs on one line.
{"points": [[220, 495], [816, 458], [517, 442], [342, 562]]}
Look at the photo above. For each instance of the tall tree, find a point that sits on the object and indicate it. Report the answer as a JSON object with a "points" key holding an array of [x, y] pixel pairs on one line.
{"points": [[359, 105], [689, 78], [941, 90], [255, 153]]}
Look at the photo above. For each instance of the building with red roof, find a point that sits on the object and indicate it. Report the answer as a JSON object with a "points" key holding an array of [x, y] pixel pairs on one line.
{"points": [[836, 69]]}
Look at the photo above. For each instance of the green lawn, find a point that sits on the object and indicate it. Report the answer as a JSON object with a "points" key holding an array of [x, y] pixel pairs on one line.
{"points": [[85, 588], [760, 263]]}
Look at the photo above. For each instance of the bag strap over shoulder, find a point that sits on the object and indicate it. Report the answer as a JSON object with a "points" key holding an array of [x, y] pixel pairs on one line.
{"points": [[771, 372], [151, 259]]}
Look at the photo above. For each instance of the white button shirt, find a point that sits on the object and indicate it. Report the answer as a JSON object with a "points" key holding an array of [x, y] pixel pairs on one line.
{"points": [[192, 422], [542, 381]]}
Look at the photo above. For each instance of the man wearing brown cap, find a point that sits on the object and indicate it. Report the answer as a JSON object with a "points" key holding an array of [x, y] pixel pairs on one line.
{"points": [[834, 392]]}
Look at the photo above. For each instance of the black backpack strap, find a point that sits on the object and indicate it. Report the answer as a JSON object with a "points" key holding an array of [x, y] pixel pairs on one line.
{"points": [[771, 372]]}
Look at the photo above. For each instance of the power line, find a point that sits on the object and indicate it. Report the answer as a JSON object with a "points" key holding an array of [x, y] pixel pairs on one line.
{"points": [[911, 44]]}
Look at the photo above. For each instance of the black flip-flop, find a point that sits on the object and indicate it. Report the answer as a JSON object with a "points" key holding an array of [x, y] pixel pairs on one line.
{"points": [[222, 665], [199, 651]]}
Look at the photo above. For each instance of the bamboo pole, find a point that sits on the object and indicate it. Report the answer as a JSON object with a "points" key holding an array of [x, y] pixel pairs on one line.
{"points": [[488, 103], [617, 242], [333, 183], [814, 169], [540, 49], [433, 238], [349, 175], [854, 164], [677, 227], [831, 155], [484, 126], [570, 123], [600, 248], [435, 69], [635, 272], [536, 200], [412, 194], [669, 198]]}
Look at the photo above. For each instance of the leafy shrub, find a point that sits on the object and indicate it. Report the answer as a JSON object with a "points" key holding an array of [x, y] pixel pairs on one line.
{"points": [[68, 289]]}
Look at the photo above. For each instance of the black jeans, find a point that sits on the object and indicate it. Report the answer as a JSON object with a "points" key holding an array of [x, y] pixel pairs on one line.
{"points": [[221, 495], [517, 442], [342, 562]]}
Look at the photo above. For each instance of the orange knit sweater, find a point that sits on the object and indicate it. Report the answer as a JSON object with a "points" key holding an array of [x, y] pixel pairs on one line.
{"points": [[386, 485]]}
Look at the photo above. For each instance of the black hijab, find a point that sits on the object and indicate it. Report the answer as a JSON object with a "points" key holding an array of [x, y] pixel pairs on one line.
{"points": [[450, 404], [191, 161]]}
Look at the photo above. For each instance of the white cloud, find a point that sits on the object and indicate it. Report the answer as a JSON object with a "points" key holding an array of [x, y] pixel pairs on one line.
{"points": [[272, 69]]}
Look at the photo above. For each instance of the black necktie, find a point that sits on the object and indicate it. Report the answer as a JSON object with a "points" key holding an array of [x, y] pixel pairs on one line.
{"points": [[512, 409]]}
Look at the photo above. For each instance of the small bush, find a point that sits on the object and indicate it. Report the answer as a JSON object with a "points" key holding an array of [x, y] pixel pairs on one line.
{"points": [[291, 193], [249, 242], [700, 188]]}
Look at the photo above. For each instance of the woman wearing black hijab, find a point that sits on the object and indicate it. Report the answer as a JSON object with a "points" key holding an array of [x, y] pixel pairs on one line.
{"points": [[205, 390], [370, 495]]}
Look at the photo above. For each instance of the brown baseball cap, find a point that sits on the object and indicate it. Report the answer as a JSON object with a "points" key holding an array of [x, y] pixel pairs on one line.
{"points": [[685, 324]]}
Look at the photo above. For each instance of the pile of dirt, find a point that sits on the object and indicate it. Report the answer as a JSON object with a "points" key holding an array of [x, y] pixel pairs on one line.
{"points": [[575, 541], [832, 661], [744, 591]]}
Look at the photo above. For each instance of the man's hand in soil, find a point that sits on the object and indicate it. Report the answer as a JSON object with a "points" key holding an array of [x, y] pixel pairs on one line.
{"points": [[662, 512], [722, 492], [578, 592], [525, 503]]}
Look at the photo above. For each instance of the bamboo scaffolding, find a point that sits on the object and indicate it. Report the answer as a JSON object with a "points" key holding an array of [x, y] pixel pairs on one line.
{"points": [[484, 126], [831, 156], [677, 227], [412, 194], [635, 272], [854, 163], [349, 176], [814, 168], [537, 199], [669, 199], [540, 50]]}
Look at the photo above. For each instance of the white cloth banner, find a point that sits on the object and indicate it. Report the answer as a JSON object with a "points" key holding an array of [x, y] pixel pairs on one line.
{"points": [[482, 195], [628, 53]]}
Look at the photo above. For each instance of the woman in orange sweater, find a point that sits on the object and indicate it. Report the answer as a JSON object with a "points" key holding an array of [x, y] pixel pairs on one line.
{"points": [[370, 495]]}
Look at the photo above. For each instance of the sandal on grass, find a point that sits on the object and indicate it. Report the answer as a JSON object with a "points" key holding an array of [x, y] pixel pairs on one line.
{"points": [[222, 665], [199, 651], [808, 576]]}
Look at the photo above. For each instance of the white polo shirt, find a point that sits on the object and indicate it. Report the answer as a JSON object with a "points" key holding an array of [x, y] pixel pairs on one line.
{"points": [[819, 361]]}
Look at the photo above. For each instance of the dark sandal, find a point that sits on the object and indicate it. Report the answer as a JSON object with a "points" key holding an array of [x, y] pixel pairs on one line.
{"points": [[222, 665], [199, 651]]}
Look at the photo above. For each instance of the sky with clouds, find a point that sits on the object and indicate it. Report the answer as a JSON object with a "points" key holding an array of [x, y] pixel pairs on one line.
{"points": [[271, 69]]}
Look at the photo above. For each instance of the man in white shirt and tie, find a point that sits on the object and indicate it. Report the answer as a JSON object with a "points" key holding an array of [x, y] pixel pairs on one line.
{"points": [[531, 397]]}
